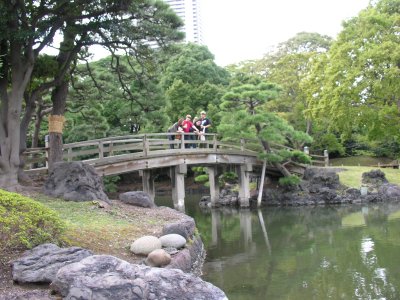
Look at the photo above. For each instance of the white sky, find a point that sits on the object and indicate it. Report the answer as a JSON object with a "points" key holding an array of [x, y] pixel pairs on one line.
{"points": [[237, 30]]}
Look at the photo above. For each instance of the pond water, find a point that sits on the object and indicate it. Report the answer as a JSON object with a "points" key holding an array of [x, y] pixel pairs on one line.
{"points": [[339, 252]]}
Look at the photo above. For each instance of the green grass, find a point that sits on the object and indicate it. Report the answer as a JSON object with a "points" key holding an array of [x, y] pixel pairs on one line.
{"points": [[351, 175], [83, 214], [104, 231]]}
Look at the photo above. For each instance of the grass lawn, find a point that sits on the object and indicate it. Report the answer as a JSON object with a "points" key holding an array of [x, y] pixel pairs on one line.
{"points": [[108, 230], [351, 175]]}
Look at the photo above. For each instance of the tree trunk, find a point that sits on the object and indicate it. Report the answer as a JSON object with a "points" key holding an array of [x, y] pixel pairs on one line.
{"points": [[29, 110], [16, 73], [68, 50], [58, 98], [39, 114]]}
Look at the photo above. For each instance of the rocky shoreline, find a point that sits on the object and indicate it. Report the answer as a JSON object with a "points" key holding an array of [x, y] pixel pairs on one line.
{"points": [[319, 186], [45, 272]]}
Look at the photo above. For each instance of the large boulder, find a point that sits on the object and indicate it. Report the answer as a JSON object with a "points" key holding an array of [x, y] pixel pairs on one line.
{"points": [[374, 178], [107, 277], [315, 179], [184, 227], [389, 191], [137, 199], [75, 181], [41, 264]]}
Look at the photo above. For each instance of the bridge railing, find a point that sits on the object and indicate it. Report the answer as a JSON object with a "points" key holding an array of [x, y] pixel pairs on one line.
{"points": [[144, 145], [134, 145]]}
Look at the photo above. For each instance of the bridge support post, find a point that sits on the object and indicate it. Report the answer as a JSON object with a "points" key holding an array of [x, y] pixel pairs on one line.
{"points": [[178, 186], [214, 186], [244, 184], [148, 183]]}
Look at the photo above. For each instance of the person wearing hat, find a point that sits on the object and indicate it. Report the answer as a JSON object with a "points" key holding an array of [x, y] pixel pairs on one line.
{"points": [[188, 127]]}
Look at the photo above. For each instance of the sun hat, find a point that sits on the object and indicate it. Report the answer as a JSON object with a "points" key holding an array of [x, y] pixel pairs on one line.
{"points": [[188, 116], [203, 112]]}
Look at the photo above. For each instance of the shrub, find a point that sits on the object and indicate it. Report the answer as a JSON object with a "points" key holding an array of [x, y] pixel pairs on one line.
{"points": [[25, 223], [289, 181], [228, 177], [110, 183]]}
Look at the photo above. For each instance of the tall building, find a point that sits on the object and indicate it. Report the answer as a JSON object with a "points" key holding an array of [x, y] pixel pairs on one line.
{"points": [[190, 13]]}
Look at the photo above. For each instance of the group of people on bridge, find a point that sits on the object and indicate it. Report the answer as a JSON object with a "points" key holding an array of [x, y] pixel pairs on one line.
{"points": [[199, 126]]}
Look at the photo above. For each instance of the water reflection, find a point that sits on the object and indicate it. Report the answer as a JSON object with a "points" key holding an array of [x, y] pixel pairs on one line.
{"points": [[302, 253]]}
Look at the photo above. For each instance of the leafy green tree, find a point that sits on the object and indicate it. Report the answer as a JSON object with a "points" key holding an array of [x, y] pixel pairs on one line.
{"points": [[128, 91], [27, 27], [192, 81], [288, 65], [244, 116], [355, 87]]}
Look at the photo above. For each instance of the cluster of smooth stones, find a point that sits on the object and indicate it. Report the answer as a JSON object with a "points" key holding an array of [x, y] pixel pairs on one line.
{"points": [[158, 250]]}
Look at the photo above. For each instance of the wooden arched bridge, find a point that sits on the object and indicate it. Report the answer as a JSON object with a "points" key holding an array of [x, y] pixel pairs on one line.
{"points": [[147, 153]]}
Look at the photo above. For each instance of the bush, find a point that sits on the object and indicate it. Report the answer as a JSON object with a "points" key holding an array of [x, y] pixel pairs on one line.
{"points": [[228, 177], [25, 223], [110, 183], [289, 181]]}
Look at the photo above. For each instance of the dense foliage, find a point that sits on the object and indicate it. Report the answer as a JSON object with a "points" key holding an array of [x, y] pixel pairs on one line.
{"points": [[25, 223]]}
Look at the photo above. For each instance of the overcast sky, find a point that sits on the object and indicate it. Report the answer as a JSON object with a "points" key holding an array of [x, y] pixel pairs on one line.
{"points": [[236, 30]]}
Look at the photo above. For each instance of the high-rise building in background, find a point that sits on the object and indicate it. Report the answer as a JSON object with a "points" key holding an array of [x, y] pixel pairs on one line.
{"points": [[190, 13]]}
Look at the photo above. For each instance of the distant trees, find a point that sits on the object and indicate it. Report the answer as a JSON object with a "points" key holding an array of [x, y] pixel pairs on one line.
{"points": [[355, 88]]}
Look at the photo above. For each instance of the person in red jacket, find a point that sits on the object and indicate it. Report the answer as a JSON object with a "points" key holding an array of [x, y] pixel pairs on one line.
{"points": [[189, 127]]}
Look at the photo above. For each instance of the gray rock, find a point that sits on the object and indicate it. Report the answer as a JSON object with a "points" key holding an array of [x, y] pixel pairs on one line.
{"points": [[182, 261], [137, 198], [390, 191], [197, 255], [158, 258], [374, 178], [145, 245], [107, 277], [41, 264], [75, 181], [185, 228], [173, 240]]}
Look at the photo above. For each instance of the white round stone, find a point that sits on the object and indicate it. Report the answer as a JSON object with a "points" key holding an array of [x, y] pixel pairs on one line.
{"points": [[173, 240], [145, 245]]}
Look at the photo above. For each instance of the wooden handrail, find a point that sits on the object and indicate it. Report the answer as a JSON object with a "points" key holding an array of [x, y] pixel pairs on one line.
{"points": [[147, 144]]}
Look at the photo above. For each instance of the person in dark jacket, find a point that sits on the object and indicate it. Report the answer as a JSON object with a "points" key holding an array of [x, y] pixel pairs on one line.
{"points": [[174, 129]]}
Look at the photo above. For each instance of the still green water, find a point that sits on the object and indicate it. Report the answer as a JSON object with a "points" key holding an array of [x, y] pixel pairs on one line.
{"points": [[340, 252]]}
